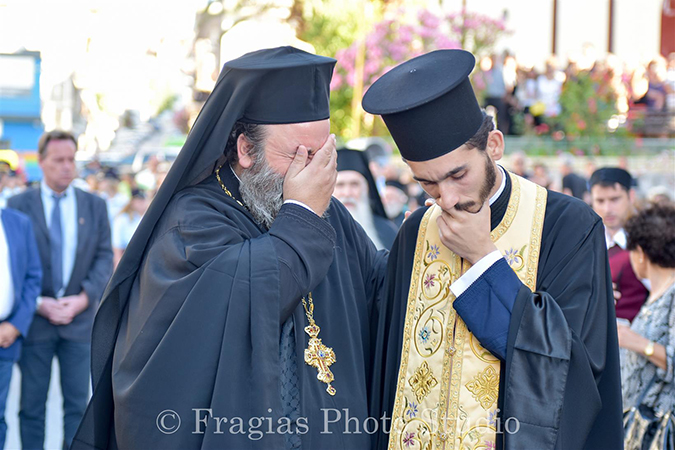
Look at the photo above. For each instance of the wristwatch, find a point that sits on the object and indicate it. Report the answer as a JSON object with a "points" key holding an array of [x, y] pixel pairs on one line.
{"points": [[649, 349]]}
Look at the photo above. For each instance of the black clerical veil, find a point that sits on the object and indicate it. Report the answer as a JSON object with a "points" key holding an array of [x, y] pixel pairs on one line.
{"points": [[272, 86]]}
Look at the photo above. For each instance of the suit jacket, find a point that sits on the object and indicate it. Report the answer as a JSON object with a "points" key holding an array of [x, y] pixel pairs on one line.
{"points": [[26, 273], [93, 261]]}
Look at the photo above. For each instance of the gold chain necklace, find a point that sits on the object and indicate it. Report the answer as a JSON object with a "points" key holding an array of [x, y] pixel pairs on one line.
{"points": [[222, 185], [316, 354]]}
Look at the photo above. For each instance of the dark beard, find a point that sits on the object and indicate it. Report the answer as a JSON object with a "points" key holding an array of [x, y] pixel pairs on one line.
{"points": [[261, 189], [489, 183]]}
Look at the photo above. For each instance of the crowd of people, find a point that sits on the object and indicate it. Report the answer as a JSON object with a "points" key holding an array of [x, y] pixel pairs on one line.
{"points": [[231, 225], [567, 173], [526, 99]]}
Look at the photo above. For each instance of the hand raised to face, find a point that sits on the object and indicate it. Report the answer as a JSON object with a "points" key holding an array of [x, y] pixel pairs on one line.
{"points": [[312, 183], [467, 233]]}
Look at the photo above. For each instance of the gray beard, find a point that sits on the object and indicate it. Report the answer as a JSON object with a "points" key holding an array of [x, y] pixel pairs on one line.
{"points": [[262, 190]]}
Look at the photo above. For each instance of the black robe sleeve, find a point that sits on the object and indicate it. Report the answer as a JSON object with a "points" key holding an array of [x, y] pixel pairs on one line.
{"points": [[208, 293]]}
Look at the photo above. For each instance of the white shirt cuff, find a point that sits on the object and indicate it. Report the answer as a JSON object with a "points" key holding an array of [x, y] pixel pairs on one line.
{"points": [[462, 283], [295, 202]]}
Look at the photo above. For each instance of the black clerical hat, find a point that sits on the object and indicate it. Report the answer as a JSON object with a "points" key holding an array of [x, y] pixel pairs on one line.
{"points": [[356, 160], [271, 86], [295, 86], [428, 104], [611, 175]]}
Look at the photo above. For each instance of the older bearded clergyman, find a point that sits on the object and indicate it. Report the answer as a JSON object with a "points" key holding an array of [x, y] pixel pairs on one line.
{"points": [[356, 189], [239, 316]]}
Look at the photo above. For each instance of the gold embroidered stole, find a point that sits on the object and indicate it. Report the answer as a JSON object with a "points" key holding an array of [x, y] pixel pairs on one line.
{"points": [[448, 384]]}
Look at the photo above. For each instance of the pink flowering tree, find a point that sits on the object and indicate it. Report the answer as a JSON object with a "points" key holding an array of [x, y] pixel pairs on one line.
{"points": [[391, 42], [477, 32]]}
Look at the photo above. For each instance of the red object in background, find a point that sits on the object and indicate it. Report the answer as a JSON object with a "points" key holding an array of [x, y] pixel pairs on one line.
{"points": [[633, 292], [668, 27]]}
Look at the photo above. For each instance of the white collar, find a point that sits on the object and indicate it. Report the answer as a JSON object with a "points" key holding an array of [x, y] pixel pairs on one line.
{"points": [[618, 239], [501, 186], [46, 190]]}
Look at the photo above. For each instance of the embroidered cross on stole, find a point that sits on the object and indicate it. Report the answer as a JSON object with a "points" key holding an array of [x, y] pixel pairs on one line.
{"points": [[448, 384]]}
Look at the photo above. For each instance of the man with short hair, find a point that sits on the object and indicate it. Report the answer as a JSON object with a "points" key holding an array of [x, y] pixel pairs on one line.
{"points": [[73, 235], [572, 183], [612, 197], [355, 187], [499, 329], [243, 304]]}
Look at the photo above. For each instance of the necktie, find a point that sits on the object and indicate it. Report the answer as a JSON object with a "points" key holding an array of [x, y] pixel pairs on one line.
{"points": [[56, 245]]}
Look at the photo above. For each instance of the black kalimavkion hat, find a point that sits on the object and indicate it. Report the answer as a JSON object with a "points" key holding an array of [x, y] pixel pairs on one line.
{"points": [[294, 86], [612, 175], [271, 86], [428, 104]]}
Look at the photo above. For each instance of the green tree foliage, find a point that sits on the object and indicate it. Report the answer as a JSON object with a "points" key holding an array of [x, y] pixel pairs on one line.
{"points": [[587, 102]]}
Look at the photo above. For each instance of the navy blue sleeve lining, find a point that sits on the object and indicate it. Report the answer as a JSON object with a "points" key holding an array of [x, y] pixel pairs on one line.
{"points": [[487, 304]]}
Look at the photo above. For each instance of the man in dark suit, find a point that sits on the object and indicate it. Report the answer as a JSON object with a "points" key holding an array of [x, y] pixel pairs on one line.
{"points": [[73, 236], [20, 283]]}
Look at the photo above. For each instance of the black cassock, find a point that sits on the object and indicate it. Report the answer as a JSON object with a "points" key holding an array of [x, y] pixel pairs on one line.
{"points": [[560, 364], [199, 339], [386, 230]]}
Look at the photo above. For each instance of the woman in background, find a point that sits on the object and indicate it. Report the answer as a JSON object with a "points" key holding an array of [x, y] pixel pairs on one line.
{"points": [[648, 344]]}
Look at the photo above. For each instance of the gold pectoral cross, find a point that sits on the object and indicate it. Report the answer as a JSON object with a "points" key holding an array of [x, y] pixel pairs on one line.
{"points": [[319, 356]]}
